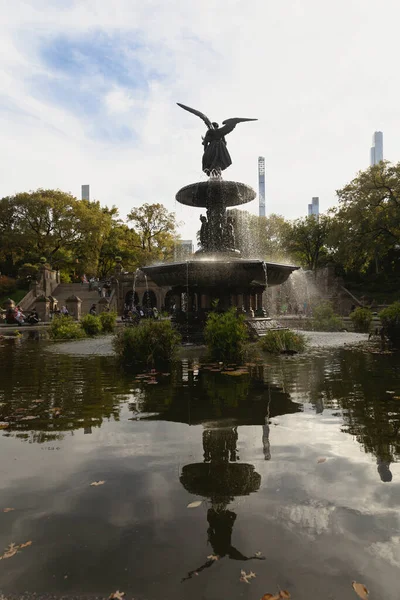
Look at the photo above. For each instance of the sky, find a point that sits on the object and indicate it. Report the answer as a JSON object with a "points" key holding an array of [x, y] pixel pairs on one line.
{"points": [[89, 89]]}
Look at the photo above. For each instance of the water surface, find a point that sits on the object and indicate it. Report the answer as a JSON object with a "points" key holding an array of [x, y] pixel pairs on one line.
{"points": [[295, 463]]}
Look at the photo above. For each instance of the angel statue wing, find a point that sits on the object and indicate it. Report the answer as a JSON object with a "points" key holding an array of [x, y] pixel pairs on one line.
{"points": [[198, 114], [230, 124]]}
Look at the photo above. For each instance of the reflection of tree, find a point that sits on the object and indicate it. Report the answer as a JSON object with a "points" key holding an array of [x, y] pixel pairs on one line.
{"points": [[356, 383], [45, 395]]}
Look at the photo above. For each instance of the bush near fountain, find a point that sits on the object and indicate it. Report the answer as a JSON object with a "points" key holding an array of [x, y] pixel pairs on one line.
{"points": [[108, 321], [65, 328], [390, 318], [325, 319], [226, 336], [151, 344], [283, 341], [91, 325], [361, 318]]}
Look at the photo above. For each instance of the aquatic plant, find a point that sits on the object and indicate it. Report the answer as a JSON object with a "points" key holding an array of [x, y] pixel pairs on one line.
{"points": [[64, 327], [283, 340], [361, 318], [151, 343], [226, 336], [325, 319], [390, 318]]}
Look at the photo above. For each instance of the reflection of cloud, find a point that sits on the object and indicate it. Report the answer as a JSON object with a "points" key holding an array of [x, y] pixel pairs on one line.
{"points": [[315, 520], [388, 551]]}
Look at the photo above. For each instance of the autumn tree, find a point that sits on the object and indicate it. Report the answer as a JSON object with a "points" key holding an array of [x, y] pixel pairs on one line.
{"points": [[155, 227]]}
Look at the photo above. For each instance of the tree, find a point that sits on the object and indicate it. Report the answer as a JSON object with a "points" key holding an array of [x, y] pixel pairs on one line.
{"points": [[306, 239], [261, 237], [367, 222], [155, 227]]}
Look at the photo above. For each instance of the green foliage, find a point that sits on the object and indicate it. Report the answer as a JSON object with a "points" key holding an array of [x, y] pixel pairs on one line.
{"points": [[65, 277], [65, 328], [367, 221], [155, 228], [361, 318], [260, 236], [28, 272], [108, 320], [283, 340], [390, 318], [150, 344], [91, 325], [306, 240], [325, 319], [226, 336]]}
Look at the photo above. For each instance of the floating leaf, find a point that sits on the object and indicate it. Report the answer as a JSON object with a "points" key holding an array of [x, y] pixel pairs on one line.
{"points": [[246, 576], [10, 551], [270, 597], [284, 594], [321, 460], [117, 595], [96, 483], [390, 392], [213, 557], [4, 425], [195, 504], [258, 554], [360, 590], [28, 418], [8, 509], [26, 544]]}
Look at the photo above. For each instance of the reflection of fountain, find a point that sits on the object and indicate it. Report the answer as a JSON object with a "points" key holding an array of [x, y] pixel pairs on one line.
{"points": [[221, 479]]}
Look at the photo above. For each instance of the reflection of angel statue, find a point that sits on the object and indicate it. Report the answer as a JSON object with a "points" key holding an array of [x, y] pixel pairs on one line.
{"points": [[216, 157]]}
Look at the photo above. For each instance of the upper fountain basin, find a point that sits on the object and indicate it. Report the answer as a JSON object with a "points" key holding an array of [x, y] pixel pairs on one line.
{"points": [[235, 274], [215, 190]]}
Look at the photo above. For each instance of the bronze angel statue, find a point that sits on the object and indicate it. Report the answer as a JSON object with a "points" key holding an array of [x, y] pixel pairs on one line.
{"points": [[216, 157]]}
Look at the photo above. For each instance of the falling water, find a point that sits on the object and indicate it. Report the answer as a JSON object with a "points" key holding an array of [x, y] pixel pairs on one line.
{"points": [[147, 291], [265, 294], [134, 286]]}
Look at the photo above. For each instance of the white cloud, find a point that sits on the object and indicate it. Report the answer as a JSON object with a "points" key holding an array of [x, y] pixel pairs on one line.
{"points": [[319, 78]]}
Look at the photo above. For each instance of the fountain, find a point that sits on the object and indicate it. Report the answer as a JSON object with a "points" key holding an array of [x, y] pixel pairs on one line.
{"points": [[217, 272]]}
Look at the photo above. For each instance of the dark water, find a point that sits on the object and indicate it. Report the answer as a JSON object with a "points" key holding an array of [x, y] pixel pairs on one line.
{"points": [[246, 445]]}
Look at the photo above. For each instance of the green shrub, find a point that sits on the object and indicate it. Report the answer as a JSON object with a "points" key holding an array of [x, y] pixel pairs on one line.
{"points": [[65, 328], [150, 344], [390, 318], [361, 318], [91, 325], [226, 335], [65, 277], [325, 319], [283, 340], [108, 320]]}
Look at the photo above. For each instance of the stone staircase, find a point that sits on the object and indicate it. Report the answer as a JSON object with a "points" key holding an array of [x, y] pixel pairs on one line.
{"points": [[64, 290]]}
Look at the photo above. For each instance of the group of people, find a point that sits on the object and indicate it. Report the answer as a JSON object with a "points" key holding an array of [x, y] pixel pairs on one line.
{"points": [[60, 311], [15, 316], [134, 313]]}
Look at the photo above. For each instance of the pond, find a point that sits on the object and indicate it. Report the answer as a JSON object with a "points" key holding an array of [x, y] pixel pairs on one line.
{"points": [[291, 467]]}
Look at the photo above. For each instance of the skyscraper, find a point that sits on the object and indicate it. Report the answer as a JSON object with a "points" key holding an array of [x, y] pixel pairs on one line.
{"points": [[313, 208], [377, 148], [85, 192], [261, 186]]}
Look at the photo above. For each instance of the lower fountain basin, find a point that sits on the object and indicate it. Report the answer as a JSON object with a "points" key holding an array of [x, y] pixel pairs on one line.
{"points": [[215, 190], [231, 274]]}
